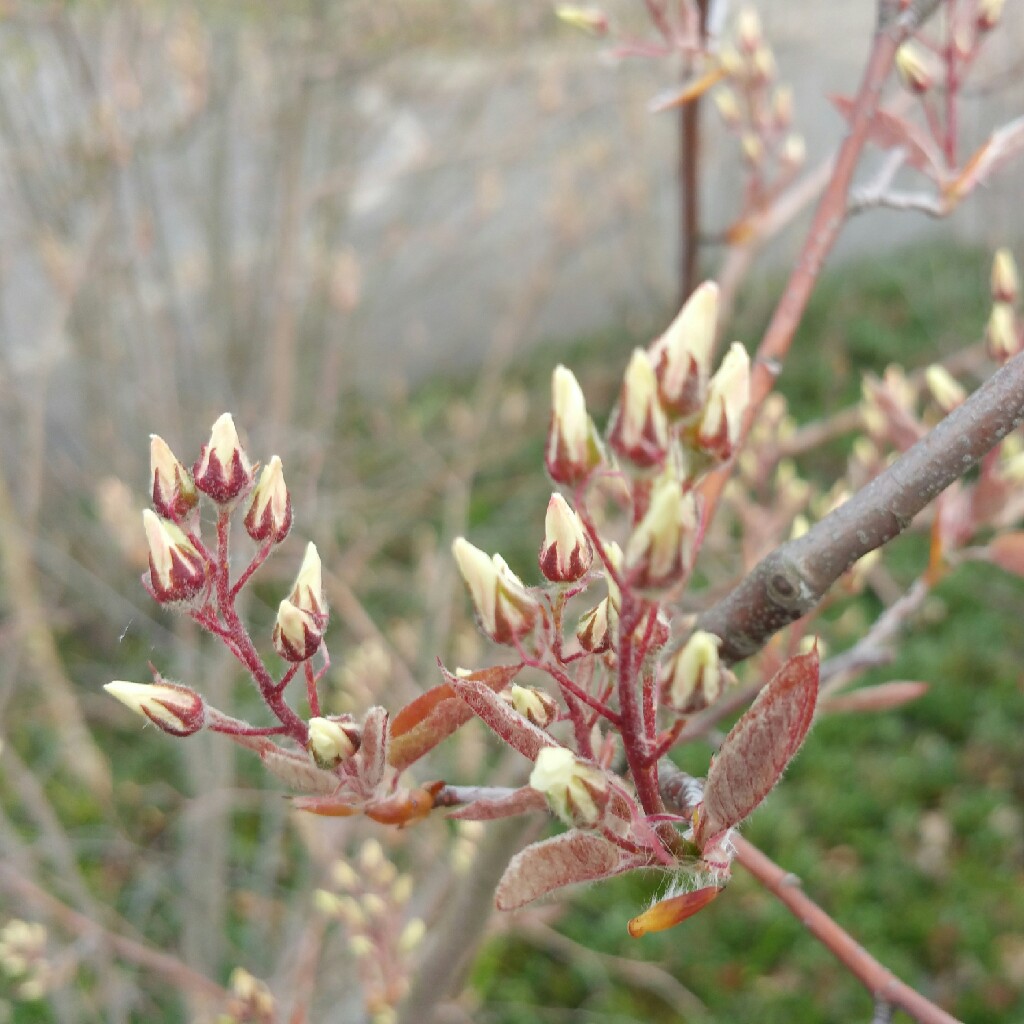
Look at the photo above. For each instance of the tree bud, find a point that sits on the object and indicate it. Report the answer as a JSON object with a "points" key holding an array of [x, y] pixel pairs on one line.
{"points": [[692, 678], [782, 107], [566, 554], [1005, 283], [659, 552], [990, 12], [589, 19], [728, 397], [946, 391], [576, 791], [177, 571], [176, 709], [914, 69], [173, 491], [639, 429], [682, 355], [728, 107], [332, 741], [504, 608], [223, 471], [573, 447], [308, 589], [297, 635], [596, 629], [748, 29], [535, 705], [1001, 332], [270, 513]]}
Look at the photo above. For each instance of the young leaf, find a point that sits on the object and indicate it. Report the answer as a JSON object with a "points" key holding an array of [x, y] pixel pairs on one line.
{"points": [[668, 913], [373, 753], [888, 131], [517, 731], [433, 716], [298, 771], [519, 801], [758, 748], [565, 859]]}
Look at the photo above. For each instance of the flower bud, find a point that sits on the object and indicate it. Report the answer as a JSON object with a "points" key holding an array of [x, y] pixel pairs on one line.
{"points": [[504, 608], [177, 571], [1001, 332], [682, 355], [332, 741], [692, 678], [728, 397], [566, 554], [576, 791], [752, 147], [270, 513], [728, 107], [596, 629], [659, 553], [573, 447], [782, 107], [589, 19], [748, 29], [763, 64], [308, 588], [173, 490], [914, 69], [176, 709], [639, 429], [223, 470], [297, 635], [946, 391], [535, 705], [794, 151], [989, 14], [1004, 282]]}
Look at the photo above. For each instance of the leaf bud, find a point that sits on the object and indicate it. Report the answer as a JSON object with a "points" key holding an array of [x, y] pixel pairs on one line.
{"points": [[175, 709], [573, 447], [173, 491], [223, 471], [332, 740], [177, 571], [504, 607], [575, 791], [297, 634], [566, 554], [270, 512], [639, 428]]}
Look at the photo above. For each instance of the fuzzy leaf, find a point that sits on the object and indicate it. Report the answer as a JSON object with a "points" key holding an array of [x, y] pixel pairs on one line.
{"points": [[887, 131], [565, 859], [1007, 551], [373, 752], [876, 698], [519, 801], [298, 772], [511, 726], [758, 747], [433, 716]]}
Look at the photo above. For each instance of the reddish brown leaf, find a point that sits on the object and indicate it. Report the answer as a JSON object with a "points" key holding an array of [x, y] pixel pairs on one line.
{"points": [[758, 748], [668, 913], [373, 752], [519, 801], [876, 698], [433, 716], [565, 859], [1007, 551], [517, 731], [887, 131]]}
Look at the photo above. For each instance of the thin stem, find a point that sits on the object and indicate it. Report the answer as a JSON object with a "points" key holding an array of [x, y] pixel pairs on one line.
{"points": [[258, 559]]}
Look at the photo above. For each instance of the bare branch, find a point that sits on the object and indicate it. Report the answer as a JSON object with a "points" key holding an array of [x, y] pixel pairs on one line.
{"points": [[788, 583]]}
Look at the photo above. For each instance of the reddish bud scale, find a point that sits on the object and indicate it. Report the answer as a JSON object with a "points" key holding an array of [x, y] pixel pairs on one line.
{"points": [[179, 502], [191, 722], [689, 397], [220, 483], [647, 450], [558, 571], [263, 527], [186, 580]]}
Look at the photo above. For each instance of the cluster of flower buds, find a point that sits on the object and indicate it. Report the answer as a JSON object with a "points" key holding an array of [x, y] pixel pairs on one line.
{"points": [[758, 111], [575, 791], [174, 708], [506, 611], [23, 958], [302, 615], [250, 1000], [370, 899], [1004, 333]]}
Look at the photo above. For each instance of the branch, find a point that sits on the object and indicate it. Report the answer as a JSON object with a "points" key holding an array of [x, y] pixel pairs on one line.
{"points": [[793, 578]]}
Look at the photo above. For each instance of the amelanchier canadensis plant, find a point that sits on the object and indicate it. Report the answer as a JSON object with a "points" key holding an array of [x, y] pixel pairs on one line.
{"points": [[615, 656]]}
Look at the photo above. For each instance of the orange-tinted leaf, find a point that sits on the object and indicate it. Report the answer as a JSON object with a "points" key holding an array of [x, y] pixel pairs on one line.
{"points": [[1007, 551], [758, 747], [668, 913], [690, 90], [325, 806], [433, 716], [876, 698]]}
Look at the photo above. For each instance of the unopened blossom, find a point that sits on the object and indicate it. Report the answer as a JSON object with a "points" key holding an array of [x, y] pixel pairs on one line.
{"points": [[639, 428], [270, 511], [223, 470], [596, 629], [332, 741], [1004, 282], [504, 607], [583, 16], [682, 355], [914, 68], [782, 107], [573, 449], [728, 106], [660, 550], [297, 634], [794, 151], [945, 389], [535, 705], [748, 29], [171, 707], [307, 591], [173, 491], [178, 573], [1001, 332], [566, 554], [728, 397], [692, 678], [250, 1000], [576, 791], [990, 12]]}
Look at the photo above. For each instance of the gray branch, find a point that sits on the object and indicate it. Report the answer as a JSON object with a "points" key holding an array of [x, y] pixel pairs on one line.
{"points": [[790, 581]]}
